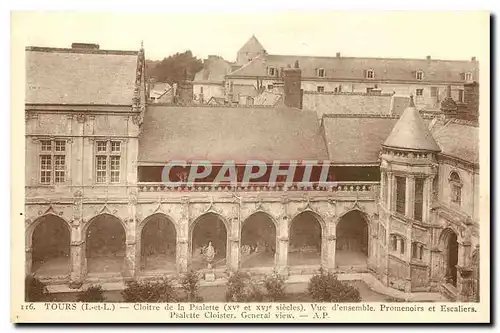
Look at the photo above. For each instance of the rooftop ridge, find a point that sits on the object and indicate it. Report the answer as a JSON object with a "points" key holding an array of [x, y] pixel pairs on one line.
{"points": [[213, 106], [347, 93], [361, 115], [372, 58], [78, 50]]}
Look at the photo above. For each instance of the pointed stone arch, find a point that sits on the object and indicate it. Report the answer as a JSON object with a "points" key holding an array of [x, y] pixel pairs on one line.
{"points": [[448, 243], [48, 241], [105, 243], [156, 241], [306, 246], [217, 230], [352, 230], [258, 241]]}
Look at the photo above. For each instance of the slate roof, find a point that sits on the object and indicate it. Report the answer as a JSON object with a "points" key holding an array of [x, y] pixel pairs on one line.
{"points": [[356, 139], [411, 132], [79, 76], [252, 45], [346, 103], [351, 68], [229, 133], [458, 139]]}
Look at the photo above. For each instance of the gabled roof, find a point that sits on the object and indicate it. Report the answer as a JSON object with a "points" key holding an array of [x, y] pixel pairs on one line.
{"points": [[411, 132], [80, 76], [458, 139], [252, 46], [229, 133], [356, 139], [351, 68]]}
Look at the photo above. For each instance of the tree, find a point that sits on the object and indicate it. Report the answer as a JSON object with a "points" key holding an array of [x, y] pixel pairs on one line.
{"points": [[175, 68], [325, 287], [92, 294]]}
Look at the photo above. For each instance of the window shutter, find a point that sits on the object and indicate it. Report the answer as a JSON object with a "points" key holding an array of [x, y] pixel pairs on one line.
{"points": [[462, 76], [315, 72], [365, 73]]}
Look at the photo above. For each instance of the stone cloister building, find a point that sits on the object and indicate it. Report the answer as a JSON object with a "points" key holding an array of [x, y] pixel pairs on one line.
{"points": [[401, 200]]}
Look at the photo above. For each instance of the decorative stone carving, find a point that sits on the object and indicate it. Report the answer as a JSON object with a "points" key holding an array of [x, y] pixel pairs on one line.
{"points": [[80, 118]]}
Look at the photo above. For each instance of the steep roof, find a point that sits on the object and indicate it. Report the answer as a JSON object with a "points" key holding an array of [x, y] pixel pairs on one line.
{"points": [[410, 132], [80, 76], [346, 103], [458, 139], [356, 139], [229, 133], [214, 70], [252, 45], [351, 68]]}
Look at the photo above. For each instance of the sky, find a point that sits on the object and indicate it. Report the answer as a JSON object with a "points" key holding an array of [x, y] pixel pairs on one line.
{"points": [[442, 35]]}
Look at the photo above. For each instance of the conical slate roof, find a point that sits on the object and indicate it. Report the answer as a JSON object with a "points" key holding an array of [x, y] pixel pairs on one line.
{"points": [[410, 132], [252, 45]]}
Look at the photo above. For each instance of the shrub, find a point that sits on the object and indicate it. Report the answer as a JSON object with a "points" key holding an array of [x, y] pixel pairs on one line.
{"points": [[35, 290], [150, 292], [190, 283], [93, 294], [325, 287], [240, 288], [390, 299], [275, 286]]}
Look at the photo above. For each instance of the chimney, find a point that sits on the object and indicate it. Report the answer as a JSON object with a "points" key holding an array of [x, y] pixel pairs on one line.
{"points": [[185, 92], [292, 78], [338, 54], [86, 46], [473, 59], [428, 57], [471, 100]]}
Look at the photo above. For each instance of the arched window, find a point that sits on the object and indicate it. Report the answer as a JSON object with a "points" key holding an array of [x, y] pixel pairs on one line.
{"points": [[370, 74], [250, 100], [419, 75], [394, 241], [456, 188]]}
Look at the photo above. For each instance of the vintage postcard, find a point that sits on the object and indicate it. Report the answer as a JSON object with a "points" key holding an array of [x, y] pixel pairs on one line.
{"points": [[314, 167]]}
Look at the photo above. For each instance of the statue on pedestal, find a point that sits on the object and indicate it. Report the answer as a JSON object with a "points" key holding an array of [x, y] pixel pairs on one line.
{"points": [[209, 254]]}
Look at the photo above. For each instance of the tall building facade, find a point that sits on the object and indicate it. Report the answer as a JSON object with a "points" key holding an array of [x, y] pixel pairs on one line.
{"points": [[256, 71], [400, 201]]}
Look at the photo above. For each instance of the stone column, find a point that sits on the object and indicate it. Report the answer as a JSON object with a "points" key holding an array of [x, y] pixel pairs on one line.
{"points": [[331, 243], [28, 260], [182, 252], [390, 191], [426, 207], [283, 240], [130, 252], [234, 242], [410, 196], [77, 257], [383, 187]]}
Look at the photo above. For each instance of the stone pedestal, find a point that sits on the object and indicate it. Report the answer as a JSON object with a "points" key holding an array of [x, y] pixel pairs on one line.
{"points": [[210, 275]]}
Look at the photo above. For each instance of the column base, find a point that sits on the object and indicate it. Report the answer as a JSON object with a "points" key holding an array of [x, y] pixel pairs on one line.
{"points": [[75, 284]]}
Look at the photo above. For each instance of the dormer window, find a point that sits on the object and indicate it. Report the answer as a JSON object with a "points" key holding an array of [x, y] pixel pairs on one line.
{"points": [[271, 71], [321, 72], [456, 188], [468, 76], [370, 74], [419, 75]]}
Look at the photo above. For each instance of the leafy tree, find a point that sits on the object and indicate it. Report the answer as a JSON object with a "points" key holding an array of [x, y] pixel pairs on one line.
{"points": [[240, 288], [326, 287], [93, 294], [275, 286], [175, 68], [150, 292], [190, 283], [35, 290]]}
